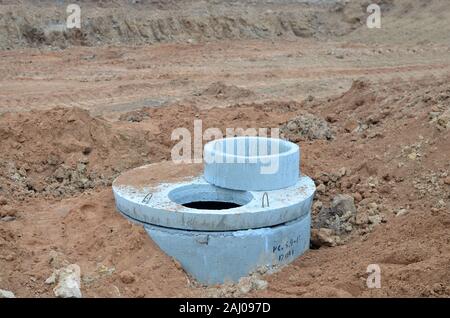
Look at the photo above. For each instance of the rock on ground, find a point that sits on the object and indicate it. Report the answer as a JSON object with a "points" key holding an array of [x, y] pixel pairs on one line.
{"points": [[6, 294], [336, 217], [127, 277], [69, 282], [343, 203], [323, 237]]}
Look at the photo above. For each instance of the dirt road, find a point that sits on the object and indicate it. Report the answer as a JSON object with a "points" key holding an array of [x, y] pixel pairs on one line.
{"points": [[112, 80]]}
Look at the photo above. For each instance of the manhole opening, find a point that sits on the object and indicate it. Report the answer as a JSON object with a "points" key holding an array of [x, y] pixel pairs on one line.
{"points": [[211, 205], [209, 197]]}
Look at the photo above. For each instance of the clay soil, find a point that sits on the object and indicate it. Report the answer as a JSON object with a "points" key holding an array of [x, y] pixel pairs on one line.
{"points": [[376, 110]]}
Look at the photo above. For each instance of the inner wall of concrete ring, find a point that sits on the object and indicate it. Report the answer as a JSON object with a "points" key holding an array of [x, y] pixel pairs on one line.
{"points": [[219, 257]]}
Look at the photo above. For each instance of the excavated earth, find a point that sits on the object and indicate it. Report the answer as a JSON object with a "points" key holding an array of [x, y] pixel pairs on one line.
{"points": [[370, 110]]}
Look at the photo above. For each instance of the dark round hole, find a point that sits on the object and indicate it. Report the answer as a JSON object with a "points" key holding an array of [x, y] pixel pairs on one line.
{"points": [[211, 205], [209, 197]]}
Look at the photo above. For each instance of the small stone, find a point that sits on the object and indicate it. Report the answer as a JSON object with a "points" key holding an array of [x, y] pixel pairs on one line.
{"points": [[348, 228], [321, 188], [342, 172], [10, 257], [86, 151], [447, 181], [7, 211], [52, 279], [3, 201], [69, 282], [343, 203], [345, 184], [357, 196], [81, 167], [317, 205], [401, 212], [262, 270], [292, 126], [127, 277], [331, 118], [35, 185], [260, 284], [347, 216], [323, 237], [8, 218], [245, 285], [375, 219], [444, 120], [53, 160], [334, 177], [105, 270], [55, 259], [351, 126], [412, 156], [316, 273], [6, 294], [361, 218], [324, 178]]}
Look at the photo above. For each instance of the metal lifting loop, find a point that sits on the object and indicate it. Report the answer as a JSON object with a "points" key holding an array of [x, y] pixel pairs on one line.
{"points": [[147, 198], [267, 199]]}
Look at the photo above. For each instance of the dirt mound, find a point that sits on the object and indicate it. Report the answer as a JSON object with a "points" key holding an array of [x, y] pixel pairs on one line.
{"points": [[135, 116], [306, 127], [63, 151], [382, 193], [221, 91], [89, 232]]}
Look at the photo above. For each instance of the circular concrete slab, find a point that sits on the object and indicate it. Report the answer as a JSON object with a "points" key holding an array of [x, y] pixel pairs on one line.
{"points": [[161, 193]]}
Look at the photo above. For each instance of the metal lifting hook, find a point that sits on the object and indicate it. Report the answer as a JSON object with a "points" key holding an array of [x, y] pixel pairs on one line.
{"points": [[266, 195], [147, 198]]}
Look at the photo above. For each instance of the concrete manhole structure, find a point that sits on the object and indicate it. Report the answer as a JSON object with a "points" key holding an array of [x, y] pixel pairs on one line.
{"points": [[219, 228]]}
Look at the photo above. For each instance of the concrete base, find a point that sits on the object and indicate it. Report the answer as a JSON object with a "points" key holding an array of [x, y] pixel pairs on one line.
{"points": [[218, 257]]}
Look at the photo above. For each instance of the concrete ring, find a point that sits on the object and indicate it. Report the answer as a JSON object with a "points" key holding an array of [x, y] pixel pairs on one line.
{"points": [[252, 163], [189, 202]]}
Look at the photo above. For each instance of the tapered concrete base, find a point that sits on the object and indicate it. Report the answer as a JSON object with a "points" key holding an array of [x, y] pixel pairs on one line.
{"points": [[218, 257]]}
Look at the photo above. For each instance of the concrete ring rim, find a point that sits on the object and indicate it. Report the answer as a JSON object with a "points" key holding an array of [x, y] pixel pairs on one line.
{"points": [[162, 211], [293, 148]]}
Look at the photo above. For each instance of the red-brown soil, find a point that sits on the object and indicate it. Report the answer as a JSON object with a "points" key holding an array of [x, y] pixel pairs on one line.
{"points": [[372, 121]]}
